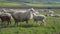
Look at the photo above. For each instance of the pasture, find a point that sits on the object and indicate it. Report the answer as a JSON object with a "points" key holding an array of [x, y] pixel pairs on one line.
{"points": [[52, 26], [16, 4]]}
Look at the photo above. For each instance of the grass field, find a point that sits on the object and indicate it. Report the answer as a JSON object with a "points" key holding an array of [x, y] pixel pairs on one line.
{"points": [[41, 4], [28, 4], [9, 4], [52, 27]]}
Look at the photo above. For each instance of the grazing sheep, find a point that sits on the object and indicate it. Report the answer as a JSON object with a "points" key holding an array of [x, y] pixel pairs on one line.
{"points": [[39, 18], [7, 11], [20, 16], [5, 17], [10, 11], [56, 15], [49, 13]]}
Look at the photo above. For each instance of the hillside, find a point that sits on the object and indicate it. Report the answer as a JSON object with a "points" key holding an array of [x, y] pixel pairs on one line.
{"points": [[29, 3], [32, 1]]}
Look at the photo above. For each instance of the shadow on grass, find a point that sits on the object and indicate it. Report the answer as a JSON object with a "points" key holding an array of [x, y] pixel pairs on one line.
{"points": [[28, 26], [24, 26]]}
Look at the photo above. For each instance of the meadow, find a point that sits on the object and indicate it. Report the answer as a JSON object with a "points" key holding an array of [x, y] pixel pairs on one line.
{"points": [[52, 26], [8, 4]]}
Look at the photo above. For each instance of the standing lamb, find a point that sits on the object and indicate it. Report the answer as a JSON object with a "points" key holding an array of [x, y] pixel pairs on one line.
{"points": [[39, 18], [5, 17]]}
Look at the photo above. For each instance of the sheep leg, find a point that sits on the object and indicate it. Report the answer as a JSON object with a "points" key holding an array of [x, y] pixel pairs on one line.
{"points": [[2, 22], [43, 21], [10, 21], [16, 23], [27, 22], [37, 22]]}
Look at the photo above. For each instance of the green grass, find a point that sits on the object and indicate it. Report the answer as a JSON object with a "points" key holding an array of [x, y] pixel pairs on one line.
{"points": [[41, 4], [9, 4], [29, 4], [52, 27]]}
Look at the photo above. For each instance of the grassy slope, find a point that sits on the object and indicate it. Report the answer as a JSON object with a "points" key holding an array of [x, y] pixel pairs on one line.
{"points": [[52, 27], [29, 4], [44, 4], [9, 4]]}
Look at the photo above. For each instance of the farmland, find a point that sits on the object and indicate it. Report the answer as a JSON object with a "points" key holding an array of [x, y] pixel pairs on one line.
{"points": [[9, 4], [52, 26]]}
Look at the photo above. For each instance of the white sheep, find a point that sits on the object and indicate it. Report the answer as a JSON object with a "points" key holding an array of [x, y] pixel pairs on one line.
{"points": [[37, 18], [49, 12], [20, 16], [56, 15]]}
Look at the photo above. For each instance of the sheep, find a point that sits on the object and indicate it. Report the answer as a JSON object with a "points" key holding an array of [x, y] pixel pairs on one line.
{"points": [[56, 15], [37, 18], [20, 16], [49, 13], [10, 11], [5, 17]]}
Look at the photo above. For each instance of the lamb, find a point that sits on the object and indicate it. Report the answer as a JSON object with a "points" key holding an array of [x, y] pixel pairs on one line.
{"points": [[5, 17], [37, 18]]}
